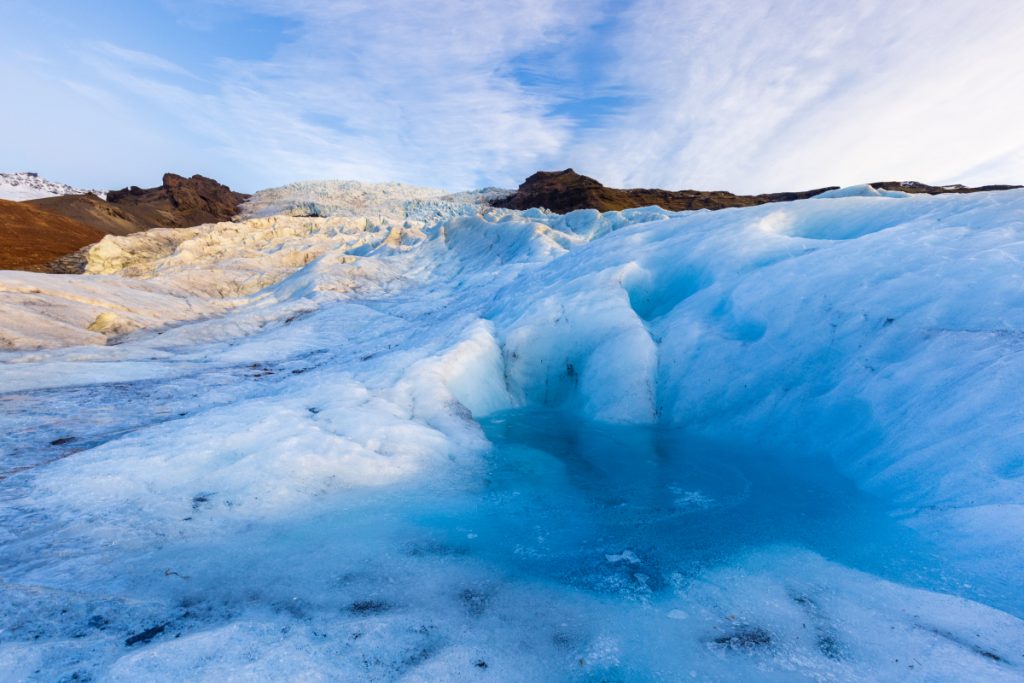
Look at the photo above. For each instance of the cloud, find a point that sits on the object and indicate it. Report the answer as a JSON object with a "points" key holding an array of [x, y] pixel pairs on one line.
{"points": [[798, 94], [377, 90], [143, 60], [740, 96]]}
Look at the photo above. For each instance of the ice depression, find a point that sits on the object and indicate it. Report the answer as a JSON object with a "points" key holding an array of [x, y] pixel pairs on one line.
{"points": [[275, 382]]}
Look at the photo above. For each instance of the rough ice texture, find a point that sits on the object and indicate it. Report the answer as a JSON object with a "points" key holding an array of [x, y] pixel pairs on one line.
{"points": [[330, 359], [351, 198]]}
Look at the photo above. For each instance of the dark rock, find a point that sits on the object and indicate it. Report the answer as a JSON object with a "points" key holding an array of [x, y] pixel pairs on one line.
{"points": [[564, 191], [69, 264], [179, 202], [369, 607], [745, 638], [145, 636]]}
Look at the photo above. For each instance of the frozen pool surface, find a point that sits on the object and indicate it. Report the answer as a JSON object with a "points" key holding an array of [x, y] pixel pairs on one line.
{"points": [[607, 507]]}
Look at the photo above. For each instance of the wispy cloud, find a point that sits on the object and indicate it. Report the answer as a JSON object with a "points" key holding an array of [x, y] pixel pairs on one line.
{"points": [[793, 94], [380, 90], [138, 59], [743, 96]]}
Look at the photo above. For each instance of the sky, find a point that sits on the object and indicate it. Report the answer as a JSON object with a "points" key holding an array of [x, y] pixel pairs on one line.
{"points": [[745, 96]]}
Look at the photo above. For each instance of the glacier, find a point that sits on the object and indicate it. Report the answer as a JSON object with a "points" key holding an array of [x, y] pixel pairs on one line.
{"points": [[372, 432]]}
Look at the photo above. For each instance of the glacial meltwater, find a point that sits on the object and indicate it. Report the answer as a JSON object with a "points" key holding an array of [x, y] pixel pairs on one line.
{"points": [[572, 551], [624, 509]]}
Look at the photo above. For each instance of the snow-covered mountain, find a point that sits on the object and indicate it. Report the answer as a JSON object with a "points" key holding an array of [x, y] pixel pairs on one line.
{"points": [[23, 186], [363, 444]]}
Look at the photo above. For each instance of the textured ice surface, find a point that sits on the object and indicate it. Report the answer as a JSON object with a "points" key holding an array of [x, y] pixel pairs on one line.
{"points": [[816, 473], [396, 201], [564, 554]]}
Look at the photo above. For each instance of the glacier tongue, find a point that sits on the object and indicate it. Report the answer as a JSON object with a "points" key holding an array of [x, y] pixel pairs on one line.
{"points": [[241, 433]]}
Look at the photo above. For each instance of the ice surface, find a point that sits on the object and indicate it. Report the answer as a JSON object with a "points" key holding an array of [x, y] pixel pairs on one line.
{"points": [[772, 443], [332, 198], [860, 191]]}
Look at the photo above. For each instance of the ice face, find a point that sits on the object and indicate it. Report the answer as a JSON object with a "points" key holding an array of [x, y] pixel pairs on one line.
{"points": [[778, 443]]}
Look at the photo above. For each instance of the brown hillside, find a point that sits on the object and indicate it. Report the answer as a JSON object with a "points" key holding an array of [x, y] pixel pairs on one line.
{"points": [[30, 238], [91, 210]]}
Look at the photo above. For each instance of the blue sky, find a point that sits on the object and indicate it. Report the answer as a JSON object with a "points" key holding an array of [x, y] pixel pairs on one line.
{"points": [[746, 96]]}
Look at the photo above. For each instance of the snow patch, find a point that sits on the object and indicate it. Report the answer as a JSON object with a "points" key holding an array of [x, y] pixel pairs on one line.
{"points": [[20, 187]]}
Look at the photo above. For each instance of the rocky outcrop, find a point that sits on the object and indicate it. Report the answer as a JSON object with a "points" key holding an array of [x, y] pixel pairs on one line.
{"points": [[179, 202], [564, 191]]}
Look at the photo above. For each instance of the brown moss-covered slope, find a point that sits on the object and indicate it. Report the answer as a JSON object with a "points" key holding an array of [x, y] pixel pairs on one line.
{"points": [[31, 238]]}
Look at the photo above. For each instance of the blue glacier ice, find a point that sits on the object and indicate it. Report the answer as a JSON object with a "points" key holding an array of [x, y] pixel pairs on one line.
{"points": [[777, 443]]}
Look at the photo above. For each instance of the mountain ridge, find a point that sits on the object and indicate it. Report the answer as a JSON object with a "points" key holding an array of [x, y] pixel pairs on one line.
{"points": [[566, 190]]}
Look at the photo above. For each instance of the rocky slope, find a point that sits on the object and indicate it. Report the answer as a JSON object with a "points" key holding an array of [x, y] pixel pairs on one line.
{"points": [[30, 238], [54, 228], [90, 209], [565, 191], [178, 202]]}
